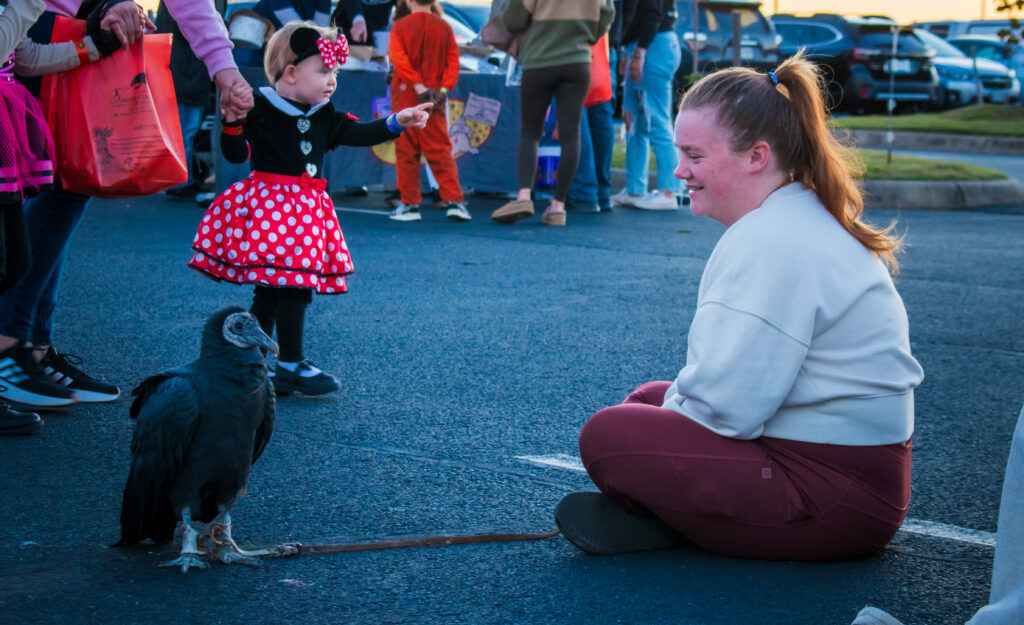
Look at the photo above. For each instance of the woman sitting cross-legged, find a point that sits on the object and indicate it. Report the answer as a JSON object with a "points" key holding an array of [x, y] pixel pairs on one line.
{"points": [[787, 433]]}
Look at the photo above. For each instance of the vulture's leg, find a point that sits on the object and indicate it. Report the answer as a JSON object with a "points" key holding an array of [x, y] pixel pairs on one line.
{"points": [[229, 551], [189, 549]]}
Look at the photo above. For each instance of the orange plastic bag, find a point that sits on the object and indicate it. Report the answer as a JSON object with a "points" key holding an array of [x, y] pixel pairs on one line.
{"points": [[115, 122], [600, 74]]}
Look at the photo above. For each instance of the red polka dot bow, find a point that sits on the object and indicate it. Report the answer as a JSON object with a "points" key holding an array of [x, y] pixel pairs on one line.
{"points": [[333, 51]]}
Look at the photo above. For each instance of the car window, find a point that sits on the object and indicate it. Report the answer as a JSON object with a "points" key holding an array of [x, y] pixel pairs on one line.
{"points": [[751, 22], [792, 34], [980, 49], [940, 45], [906, 42], [818, 34]]}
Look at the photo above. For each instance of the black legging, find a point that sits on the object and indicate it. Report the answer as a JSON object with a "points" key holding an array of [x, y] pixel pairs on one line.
{"points": [[285, 306], [569, 85]]}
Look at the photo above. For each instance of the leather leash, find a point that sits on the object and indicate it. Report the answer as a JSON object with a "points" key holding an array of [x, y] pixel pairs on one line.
{"points": [[289, 549]]}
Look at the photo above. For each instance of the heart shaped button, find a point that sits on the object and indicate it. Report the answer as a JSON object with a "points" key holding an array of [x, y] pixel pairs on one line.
{"points": [[306, 147], [303, 124], [311, 169]]}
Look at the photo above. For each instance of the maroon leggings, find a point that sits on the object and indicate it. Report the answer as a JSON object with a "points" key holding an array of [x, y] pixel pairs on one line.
{"points": [[766, 498]]}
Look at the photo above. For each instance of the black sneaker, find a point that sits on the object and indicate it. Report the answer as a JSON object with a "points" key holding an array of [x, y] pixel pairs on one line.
{"points": [[186, 193], [406, 212], [287, 382], [23, 381], [14, 423], [62, 371], [593, 522]]}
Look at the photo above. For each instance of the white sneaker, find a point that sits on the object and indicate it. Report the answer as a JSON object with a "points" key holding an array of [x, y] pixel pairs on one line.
{"points": [[406, 212], [657, 201], [457, 212], [623, 198]]}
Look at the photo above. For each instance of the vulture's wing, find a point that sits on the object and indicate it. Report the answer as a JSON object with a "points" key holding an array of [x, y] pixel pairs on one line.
{"points": [[266, 427], [167, 410]]}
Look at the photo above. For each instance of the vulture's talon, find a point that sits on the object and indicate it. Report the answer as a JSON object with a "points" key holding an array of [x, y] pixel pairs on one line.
{"points": [[187, 561]]}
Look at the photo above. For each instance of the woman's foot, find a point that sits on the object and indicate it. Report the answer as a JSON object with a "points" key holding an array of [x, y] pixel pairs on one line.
{"points": [[553, 217], [513, 212], [593, 522]]}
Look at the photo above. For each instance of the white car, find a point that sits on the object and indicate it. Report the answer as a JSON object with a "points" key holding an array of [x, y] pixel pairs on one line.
{"points": [[961, 77]]}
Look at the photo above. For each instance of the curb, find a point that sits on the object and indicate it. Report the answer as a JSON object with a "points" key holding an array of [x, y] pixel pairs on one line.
{"points": [[925, 195], [903, 140]]}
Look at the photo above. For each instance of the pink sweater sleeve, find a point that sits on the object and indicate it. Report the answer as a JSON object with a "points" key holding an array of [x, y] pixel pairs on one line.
{"points": [[198, 20]]}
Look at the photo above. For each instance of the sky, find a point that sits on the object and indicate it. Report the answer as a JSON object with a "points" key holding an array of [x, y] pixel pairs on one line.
{"points": [[900, 10]]}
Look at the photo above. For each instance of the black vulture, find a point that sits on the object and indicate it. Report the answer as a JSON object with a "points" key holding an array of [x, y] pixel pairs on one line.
{"points": [[200, 427]]}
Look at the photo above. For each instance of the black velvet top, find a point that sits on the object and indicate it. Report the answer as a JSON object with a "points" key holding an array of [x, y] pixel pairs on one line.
{"points": [[291, 139]]}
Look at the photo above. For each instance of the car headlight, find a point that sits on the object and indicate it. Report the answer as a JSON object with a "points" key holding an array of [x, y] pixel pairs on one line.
{"points": [[954, 73]]}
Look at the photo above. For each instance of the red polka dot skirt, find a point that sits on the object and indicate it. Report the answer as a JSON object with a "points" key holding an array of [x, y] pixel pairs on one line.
{"points": [[274, 230]]}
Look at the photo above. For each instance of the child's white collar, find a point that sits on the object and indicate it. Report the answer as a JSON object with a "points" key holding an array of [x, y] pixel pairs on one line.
{"points": [[287, 107]]}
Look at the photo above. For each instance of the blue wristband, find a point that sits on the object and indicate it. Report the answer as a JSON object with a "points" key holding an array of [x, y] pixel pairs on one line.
{"points": [[393, 125]]}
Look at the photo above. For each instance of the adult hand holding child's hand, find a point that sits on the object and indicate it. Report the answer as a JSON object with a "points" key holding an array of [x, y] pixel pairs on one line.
{"points": [[414, 116]]}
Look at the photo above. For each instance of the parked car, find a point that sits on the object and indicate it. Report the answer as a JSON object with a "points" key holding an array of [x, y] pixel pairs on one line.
{"points": [[953, 28], [473, 15], [958, 84], [860, 66], [713, 43], [993, 48]]}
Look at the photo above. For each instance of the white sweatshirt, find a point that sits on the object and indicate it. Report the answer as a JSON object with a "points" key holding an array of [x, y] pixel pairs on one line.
{"points": [[799, 334]]}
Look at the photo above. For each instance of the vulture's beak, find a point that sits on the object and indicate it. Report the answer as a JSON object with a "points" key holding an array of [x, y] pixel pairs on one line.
{"points": [[258, 337]]}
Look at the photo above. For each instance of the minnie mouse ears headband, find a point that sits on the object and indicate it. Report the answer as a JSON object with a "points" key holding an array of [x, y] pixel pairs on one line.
{"points": [[307, 42]]}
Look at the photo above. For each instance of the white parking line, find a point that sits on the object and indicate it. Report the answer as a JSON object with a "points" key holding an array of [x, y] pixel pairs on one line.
{"points": [[368, 211], [911, 526]]}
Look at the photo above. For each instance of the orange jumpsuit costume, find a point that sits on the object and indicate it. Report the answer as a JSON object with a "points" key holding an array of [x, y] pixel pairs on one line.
{"points": [[422, 48]]}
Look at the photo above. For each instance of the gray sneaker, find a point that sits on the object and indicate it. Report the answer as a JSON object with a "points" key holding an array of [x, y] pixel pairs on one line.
{"points": [[406, 212], [457, 212]]}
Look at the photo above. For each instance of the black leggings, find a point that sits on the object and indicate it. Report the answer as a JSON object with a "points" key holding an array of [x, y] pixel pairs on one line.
{"points": [[285, 306], [569, 85]]}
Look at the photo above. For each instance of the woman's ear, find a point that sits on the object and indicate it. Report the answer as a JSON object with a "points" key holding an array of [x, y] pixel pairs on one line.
{"points": [[760, 156]]}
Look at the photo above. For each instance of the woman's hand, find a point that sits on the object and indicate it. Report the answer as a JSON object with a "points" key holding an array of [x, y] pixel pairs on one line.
{"points": [[414, 116], [636, 65], [235, 92]]}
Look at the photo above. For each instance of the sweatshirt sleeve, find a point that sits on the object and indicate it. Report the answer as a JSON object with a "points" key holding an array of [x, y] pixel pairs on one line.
{"points": [[451, 68], [515, 16], [204, 29], [15, 22], [649, 15], [739, 369], [605, 21], [400, 57], [36, 59], [349, 131]]}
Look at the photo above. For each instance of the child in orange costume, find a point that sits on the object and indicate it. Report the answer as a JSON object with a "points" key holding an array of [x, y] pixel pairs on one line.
{"points": [[422, 48]]}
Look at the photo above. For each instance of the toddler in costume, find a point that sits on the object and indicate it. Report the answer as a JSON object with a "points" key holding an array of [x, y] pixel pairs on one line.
{"points": [[277, 229], [426, 58]]}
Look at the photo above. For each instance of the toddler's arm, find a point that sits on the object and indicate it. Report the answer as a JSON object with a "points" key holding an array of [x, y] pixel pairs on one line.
{"points": [[15, 21]]}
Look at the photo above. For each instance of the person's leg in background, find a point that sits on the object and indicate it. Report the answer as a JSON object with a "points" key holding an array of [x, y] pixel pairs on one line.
{"points": [[583, 192], [535, 93], [659, 67], [27, 310], [602, 133], [569, 97], [634, 112], [191, 117], [437, 148], [408, 147]]}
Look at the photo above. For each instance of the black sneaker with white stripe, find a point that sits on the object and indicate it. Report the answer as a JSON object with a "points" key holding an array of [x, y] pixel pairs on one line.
{"points": [[23, 381], [62, 371]]}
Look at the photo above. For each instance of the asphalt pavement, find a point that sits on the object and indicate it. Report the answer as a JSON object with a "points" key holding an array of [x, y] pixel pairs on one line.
{"points": [[470, 357]]}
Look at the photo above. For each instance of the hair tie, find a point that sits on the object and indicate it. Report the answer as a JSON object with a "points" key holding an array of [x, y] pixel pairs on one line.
{"points": [[775, 79]]}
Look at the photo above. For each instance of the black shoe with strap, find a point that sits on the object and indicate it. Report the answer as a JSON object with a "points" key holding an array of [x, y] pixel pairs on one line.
{"points": [[24, 382], [300, 381], [14, 423], [62, 371]]}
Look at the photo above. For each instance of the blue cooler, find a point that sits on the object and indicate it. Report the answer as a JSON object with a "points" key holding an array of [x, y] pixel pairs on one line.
{"points": [[547, 165]]}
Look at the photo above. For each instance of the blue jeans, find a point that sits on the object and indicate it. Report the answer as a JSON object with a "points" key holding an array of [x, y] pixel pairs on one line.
{"points": [[597, 138], [650, 103], [191, 116], [27, 310]]}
